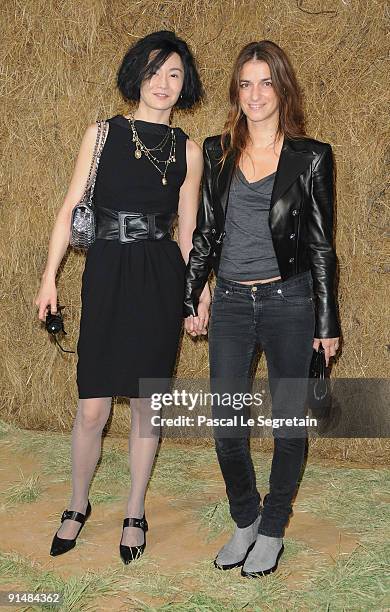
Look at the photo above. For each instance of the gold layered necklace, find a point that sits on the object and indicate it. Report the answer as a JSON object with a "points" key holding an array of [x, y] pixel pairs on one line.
{"points": [[141, 148]]}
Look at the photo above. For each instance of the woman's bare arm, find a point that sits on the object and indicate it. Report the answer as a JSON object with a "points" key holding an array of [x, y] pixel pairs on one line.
{"points": [[188, 209], [59, 239], [189, 198]]}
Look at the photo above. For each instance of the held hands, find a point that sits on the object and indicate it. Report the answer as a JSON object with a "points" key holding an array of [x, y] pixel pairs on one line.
{"points": [[197, 326], [330, 346]]}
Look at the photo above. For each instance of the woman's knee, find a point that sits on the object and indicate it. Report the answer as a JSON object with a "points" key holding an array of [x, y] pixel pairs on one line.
{"points": [[141, 405], [93, 413]]}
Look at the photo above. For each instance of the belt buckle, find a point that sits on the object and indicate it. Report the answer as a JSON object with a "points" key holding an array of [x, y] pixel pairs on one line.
{"points": [[122, 215]]}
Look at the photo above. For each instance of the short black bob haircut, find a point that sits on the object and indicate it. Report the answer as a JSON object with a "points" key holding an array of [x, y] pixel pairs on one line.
{"points": [[136, 67]]}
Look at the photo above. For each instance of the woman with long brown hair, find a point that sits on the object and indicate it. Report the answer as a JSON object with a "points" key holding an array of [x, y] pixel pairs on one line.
{"points": [[265, 225]]}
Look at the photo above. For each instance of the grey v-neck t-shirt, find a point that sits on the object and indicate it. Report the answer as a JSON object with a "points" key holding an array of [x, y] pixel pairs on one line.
{"points": [[247, 250]]}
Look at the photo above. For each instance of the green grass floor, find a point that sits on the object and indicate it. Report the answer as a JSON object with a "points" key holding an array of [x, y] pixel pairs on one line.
{"points": [[336, 547]]}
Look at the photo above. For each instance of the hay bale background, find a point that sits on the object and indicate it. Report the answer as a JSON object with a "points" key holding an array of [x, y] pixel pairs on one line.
{"points": [[59, 67]]}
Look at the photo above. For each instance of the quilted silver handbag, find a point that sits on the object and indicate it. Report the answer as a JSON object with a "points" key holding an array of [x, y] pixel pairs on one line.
{"points": [[83, 220]]}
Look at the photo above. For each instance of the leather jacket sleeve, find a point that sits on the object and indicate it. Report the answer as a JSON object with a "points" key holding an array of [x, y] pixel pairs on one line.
{"points": [[199, 261], [320, 247]]}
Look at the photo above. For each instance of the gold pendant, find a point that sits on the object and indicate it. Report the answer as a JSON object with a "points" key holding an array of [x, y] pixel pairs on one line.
{"points": [[138, 154], [164, 181]]}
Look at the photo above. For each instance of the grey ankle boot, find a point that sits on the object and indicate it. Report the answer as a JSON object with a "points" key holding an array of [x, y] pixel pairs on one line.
{"points": [[263, 558], [234, 552]]}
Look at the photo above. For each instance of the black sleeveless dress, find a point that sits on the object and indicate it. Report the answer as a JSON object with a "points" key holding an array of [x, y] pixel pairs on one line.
{"points": [[132, 293]]}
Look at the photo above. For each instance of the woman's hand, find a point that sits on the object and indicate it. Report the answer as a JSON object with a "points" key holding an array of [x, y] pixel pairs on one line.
{"points": [[197, 326], [46, 296], [330, 346]]}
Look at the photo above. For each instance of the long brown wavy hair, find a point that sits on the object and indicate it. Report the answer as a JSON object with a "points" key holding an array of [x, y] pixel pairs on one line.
{"points": [[291, 118]]}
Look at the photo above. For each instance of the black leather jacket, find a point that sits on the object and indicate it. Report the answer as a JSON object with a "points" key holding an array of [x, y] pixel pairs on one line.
{"points": [[300, 219]]}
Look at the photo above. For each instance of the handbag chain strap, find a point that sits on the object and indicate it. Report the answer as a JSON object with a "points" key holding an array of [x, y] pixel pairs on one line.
{"points": [[99, 144]]}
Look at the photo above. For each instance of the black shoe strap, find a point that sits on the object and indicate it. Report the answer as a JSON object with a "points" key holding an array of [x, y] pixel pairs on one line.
{"points": [[75, 516], [136, 522]]}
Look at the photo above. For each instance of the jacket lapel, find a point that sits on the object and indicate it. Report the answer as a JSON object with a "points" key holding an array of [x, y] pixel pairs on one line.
{"points": [[293, 160]]}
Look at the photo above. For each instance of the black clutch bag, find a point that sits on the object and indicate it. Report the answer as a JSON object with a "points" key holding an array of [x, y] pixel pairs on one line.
{"points": [[319, 399]]}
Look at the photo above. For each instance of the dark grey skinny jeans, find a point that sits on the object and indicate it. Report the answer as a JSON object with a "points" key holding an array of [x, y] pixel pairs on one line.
{"points": [[277, 318]]}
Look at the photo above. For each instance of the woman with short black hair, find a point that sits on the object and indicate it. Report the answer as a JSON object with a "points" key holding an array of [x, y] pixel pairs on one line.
{"points": [[146, 56], [265, 226], [133, 280]]}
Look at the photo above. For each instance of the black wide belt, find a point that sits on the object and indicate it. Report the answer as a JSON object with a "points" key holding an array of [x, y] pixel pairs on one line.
{"points": [[133, 226]]}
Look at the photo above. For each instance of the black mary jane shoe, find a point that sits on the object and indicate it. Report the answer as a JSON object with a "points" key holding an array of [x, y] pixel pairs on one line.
{"points": [[262, 573], [132, 553], [60, 546]]}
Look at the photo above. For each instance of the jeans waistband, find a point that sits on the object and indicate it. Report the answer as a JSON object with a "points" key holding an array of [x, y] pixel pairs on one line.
{"points": [[265, 288]]}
